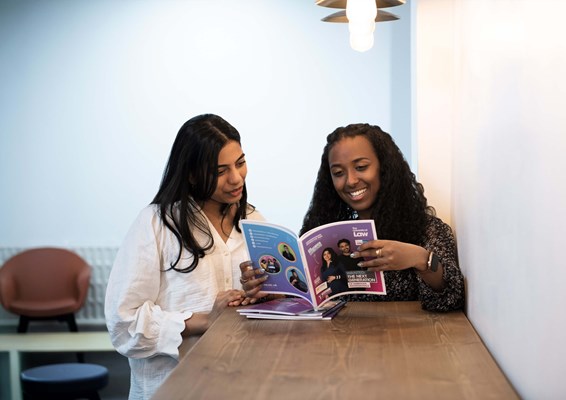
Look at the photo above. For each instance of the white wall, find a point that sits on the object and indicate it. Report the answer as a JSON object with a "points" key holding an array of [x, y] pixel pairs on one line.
{"points": [[433, 101], [504, 128], [93, 93]]}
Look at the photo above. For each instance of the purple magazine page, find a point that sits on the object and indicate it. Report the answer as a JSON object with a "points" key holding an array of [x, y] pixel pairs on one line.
{"points": [[283, 306], [333, 274], [291, 308]]}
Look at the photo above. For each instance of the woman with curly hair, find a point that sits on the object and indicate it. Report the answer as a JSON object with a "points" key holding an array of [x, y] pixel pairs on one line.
{"points": [[363, 175]]}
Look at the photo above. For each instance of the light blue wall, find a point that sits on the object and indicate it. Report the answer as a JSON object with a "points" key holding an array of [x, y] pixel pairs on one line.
{"points": [[93, 93]]}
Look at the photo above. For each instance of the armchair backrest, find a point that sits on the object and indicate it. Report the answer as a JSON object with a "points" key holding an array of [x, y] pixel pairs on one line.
{"points": [[44, 274]]}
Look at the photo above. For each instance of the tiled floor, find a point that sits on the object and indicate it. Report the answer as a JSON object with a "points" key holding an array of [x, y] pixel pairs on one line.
{"points": [[117, 365]]}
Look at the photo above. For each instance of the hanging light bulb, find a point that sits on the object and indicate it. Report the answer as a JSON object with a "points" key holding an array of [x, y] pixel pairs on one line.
{"points": [[361, 16], [361, 43]]}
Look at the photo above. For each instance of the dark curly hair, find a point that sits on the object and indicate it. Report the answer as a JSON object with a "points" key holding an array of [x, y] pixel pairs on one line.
{"points": [[190, 178], [400, 209]]}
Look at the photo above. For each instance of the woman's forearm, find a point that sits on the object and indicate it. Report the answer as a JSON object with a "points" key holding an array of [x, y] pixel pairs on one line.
{"points": [[196, 325]]}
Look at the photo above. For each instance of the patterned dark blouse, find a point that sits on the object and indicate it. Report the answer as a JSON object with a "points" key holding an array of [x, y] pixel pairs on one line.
{"points": [[407, 285]]}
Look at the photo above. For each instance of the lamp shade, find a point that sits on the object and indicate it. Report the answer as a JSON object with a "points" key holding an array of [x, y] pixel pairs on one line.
{"points": [[340, 16], [342, 3]]}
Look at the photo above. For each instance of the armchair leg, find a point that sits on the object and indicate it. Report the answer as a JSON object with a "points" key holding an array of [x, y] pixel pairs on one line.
{"points": [[70, 318], [23, 324]]}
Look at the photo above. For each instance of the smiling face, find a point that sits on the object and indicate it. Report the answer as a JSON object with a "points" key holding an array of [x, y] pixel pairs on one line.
{"points": [[344, 248], [232, 171], [354, 168]]}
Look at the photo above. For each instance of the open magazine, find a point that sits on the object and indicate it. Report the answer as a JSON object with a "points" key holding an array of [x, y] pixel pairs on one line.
{"points": [[312, 267], [295, 308]]}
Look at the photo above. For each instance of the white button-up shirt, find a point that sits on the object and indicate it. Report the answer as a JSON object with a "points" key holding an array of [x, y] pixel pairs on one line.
{"points": [[146, 305]]}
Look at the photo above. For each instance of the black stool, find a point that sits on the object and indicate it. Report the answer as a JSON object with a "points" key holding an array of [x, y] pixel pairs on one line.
{"points": [[64, 381]]}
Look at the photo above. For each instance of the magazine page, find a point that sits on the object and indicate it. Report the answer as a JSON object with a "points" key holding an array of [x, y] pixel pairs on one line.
{"points": [[276, 249], [291, 308], [333, 273], [291, 317], [283, 306]]}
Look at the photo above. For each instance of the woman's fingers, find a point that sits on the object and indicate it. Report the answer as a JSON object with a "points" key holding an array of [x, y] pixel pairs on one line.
{"points": [[230, 296], [250, 284], [253, 286], [246, 266], [249, 280]]}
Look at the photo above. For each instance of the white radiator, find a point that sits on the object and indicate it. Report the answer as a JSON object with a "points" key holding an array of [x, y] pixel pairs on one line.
{"points": [[100, 260]]}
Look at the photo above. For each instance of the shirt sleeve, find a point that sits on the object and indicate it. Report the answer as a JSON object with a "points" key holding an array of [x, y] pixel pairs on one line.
{"points": [[441, 241], [138, 326]]}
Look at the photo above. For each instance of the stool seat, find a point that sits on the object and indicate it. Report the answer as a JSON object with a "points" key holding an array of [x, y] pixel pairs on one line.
{"points": [[64, 381]]}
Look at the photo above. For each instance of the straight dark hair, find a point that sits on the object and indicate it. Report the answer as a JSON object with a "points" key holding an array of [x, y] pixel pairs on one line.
{"points": [[190, 178]]}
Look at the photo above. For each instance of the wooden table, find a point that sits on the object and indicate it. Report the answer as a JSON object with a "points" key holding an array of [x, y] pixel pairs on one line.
{"points": [[13, 345], [368, 351]]}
